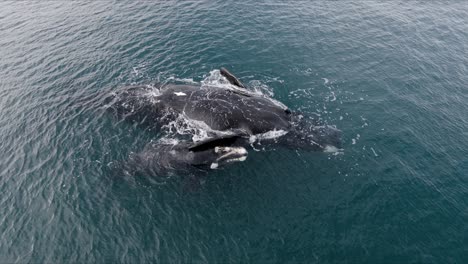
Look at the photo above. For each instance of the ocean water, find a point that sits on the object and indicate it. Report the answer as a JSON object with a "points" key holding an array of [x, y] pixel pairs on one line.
{"points": [[393, 76]]}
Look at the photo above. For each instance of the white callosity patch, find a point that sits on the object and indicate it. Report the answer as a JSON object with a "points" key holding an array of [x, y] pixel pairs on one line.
{"points": [[217, 149], [231, 154], [243, 158], [230, 151]]}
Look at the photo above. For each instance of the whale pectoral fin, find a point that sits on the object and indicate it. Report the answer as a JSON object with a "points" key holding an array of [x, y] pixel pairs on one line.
{"points": [[223, 140], [231, 78]]}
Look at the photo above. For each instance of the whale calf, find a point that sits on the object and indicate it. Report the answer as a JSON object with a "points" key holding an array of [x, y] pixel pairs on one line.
{"points": [[164, 157]]}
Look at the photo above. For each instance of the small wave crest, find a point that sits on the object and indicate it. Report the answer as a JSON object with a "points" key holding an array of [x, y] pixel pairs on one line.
{"points": [[183, 80]]}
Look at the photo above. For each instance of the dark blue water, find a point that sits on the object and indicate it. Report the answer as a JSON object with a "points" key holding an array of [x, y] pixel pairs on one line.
{"points": [[392, 76]]}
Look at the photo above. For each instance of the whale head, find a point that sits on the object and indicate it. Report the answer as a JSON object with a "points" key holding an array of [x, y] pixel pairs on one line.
{"points": [[218, 156]]}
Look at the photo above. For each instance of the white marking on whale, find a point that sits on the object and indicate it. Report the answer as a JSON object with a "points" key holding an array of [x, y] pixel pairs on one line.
{"points": [[180, 94]]}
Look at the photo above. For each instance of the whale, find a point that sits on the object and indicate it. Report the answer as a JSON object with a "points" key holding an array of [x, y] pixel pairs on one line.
{"points": [[165, 157], [223, 111]]}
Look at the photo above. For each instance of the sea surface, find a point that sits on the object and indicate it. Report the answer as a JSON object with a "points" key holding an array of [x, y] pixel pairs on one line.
{"points": [[392, 75]]}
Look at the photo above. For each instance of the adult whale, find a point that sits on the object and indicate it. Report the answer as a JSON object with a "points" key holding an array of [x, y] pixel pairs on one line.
{"points": [[221, 111]]}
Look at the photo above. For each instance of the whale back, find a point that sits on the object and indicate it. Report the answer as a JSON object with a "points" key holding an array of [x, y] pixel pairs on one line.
{"points": [[137, 104], [223, 109]]}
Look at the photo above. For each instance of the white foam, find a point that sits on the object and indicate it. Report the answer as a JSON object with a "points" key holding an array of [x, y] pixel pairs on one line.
{"points": [[199, 130], [153, 94], [354, 140], [214, 166], [180, 94], [169, 141], [216, 79], [184, 80], [375, 153], [330, 149]]}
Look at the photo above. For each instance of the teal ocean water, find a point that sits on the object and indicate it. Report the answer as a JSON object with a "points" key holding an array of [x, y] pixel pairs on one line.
{"points": [[392, 75]]}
